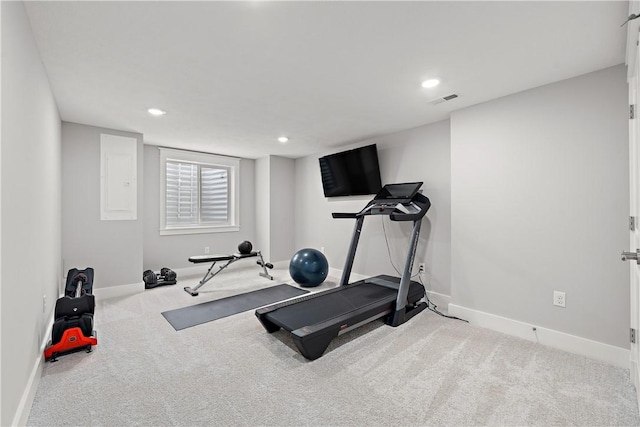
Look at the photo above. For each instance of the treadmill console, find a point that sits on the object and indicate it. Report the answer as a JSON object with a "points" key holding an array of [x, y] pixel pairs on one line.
{"points": [[397, 193], [402, 202]]}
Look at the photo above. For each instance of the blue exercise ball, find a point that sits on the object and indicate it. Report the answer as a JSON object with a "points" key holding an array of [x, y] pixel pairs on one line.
{"points": [[308, 267]]}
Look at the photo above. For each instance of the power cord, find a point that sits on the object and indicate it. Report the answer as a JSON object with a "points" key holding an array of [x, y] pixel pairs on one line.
{"points": [[431, 306], [384, 229], [630, 18]]}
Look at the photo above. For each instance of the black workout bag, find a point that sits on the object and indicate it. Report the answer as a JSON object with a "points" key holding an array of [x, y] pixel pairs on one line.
{"points": [[72, 313], [84, 322]]}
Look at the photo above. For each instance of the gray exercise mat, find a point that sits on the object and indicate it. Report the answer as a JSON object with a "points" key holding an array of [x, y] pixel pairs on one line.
{"points": [[198, 314]]}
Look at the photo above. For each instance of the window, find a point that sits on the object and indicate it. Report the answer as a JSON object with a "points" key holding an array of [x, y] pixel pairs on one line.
{"points": [[199, 192]]}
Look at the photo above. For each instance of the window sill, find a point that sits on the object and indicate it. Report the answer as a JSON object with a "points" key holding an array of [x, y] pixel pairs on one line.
{"points": [[199, 230]]}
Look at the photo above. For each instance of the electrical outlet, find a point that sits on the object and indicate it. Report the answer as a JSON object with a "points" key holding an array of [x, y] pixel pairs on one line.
{"points": [[421, 267], [44, 303], [206, 249], [559, 299]]}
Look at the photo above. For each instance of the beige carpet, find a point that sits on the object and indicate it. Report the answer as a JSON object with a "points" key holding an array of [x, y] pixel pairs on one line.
{"points": [[231, 372]]}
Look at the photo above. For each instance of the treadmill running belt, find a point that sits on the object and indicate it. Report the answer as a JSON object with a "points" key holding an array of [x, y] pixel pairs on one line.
{"points": [[331, 305]]}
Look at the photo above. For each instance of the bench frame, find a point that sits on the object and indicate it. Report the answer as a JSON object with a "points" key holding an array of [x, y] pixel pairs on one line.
{"points": [[230, 260]]}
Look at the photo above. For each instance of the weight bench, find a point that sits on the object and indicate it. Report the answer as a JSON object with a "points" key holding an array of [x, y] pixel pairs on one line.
{"points": [[198, 259]]}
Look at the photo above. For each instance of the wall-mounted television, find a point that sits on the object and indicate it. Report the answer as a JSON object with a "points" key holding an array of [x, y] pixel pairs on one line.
{"points": [[351, 173]]}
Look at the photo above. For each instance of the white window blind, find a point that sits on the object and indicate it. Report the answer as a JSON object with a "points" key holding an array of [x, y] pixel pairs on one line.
{"points": [[214, 195], [199, 195], [181, 194]]}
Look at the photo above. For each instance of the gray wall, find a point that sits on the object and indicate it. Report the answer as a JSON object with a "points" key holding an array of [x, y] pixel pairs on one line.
{"points": [[537, 200], [420, 154], [275, 216], [532, 197], [174, 251], [263, 210], [282, 218], [540, 203], [112, 248], [30, 245]]}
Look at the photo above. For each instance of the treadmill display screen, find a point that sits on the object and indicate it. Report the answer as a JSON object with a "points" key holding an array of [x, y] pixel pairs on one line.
{"points": [[399, 191]]}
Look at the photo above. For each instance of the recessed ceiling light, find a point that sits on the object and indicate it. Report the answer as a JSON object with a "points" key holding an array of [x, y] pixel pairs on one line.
{"points": [[428, 84], [283, 139], [156, 112]]}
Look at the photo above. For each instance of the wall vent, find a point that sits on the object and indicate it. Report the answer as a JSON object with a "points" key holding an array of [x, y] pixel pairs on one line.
{"points": [[444, 98]]}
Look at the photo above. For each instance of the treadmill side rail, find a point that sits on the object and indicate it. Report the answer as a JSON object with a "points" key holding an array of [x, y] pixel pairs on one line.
{"points": [[314, 346], [268, 325], [313, 340]]}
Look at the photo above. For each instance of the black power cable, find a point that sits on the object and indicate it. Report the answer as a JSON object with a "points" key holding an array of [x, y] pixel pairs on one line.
{"points": [[389, 251], [630, 18], [435, 307], [431, 306]]}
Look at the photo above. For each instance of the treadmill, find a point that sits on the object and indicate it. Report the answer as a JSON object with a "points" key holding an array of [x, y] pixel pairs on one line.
{"points": [[315, 319]]}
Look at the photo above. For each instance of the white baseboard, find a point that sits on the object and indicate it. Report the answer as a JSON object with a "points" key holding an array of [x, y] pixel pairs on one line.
{"points": [[118, 291], [197, 270], [335, 272], [281, 264], [439, 300], [593, 349], [354, 277], [21, 416], [24, 407]]}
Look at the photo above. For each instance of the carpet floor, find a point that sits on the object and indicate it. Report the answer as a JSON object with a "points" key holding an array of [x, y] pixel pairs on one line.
{"points": [[429, 371]]}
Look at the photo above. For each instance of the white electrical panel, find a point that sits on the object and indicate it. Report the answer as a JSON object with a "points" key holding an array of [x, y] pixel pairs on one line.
{"points": [[118, 177]]}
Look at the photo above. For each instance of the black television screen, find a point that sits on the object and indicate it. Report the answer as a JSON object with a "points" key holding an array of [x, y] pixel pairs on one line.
{"points": [[351, 173]]}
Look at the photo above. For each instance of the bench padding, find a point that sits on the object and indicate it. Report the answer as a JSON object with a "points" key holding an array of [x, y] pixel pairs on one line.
{"points": [[197, 259]]}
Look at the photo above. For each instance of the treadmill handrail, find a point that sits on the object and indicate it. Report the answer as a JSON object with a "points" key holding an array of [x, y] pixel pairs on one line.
{"points": [[348, 215], [419, 201]]}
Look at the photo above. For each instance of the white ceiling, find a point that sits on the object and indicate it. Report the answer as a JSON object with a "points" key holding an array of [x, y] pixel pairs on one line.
{"points": [[234, 76]]}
